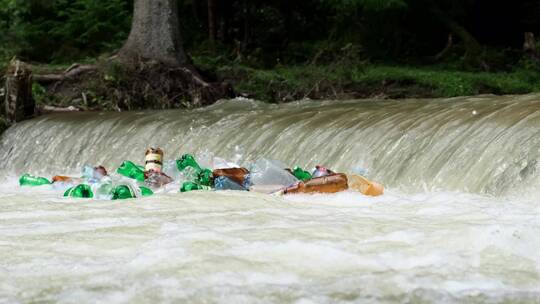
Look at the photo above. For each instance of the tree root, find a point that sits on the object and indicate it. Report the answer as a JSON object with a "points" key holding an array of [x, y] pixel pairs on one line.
{"points": [[114, 85]]}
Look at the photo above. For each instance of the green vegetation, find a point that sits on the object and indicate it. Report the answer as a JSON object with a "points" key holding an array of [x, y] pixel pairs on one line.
{"points": [[282, 50], [287, 83]]}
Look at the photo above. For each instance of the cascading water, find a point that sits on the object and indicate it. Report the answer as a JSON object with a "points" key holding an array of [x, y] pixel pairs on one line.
{"points": [[460, 221], [482, 144]]}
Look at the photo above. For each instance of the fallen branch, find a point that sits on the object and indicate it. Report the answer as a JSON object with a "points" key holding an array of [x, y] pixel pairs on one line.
{"points": [[72, 72], [44, 109]]}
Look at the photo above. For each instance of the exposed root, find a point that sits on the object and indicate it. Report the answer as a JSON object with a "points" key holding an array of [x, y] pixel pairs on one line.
{"points": [[141, 85]]}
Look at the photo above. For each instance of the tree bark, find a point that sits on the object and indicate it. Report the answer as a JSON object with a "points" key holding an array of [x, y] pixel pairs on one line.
{"points": [[246, 11], [18, 92], [155, 33]]}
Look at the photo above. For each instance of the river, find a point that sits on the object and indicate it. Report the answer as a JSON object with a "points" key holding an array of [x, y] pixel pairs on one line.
{"points": [[459, 222]]}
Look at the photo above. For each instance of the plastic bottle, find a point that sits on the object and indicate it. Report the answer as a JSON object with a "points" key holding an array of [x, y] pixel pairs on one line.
{"points": [[325, 184], [247, 181], [103, 189], [146, 191], [300, 174], [205, 177], [365, 186], [30, 180], [187, 160], [190, 174], [237, 175], [265, 172], [93, 174], [80, 191], [170, 169], [123, 192], [192, 186], [153, 160], [320, 171], [225, 183], [129, 169], [193, 172], [87, 172], [156, 179]]}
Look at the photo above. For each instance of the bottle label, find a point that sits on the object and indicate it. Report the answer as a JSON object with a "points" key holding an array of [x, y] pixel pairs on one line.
{"points": [[153, 161]]}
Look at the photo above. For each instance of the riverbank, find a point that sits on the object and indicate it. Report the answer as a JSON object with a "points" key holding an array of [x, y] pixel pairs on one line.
{"points": [[283, 84], [104, 90]]}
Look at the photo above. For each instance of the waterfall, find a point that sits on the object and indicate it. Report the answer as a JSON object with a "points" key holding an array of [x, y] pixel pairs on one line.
{"points": [[483, 144]]}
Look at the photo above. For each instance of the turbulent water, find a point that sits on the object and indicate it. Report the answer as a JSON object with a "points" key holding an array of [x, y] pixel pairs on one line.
{"points": [[460, 220]]}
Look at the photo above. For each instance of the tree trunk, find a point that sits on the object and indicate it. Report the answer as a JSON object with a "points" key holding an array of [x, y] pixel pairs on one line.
{"points": [[246, 10], [473, 49], [19, 103], [155, 33], [211, 22]]}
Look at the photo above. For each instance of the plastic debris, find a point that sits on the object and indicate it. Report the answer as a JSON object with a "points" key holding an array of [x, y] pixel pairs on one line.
{"points": [[129, 169], [80, 191], [30, 180], [271, 172]]}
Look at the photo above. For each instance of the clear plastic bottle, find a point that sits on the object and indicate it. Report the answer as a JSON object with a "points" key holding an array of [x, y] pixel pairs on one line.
{"points": [[103, 189], [265, 172], [225, 183]]}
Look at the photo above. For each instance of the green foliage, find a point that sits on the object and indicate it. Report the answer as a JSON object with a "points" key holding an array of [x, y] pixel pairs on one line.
{"points": [[361, 79], [39, 93], [61, 29]]}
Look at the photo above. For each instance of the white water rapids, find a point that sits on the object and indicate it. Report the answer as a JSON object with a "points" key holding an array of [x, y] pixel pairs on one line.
{"points": [[459, 222]]}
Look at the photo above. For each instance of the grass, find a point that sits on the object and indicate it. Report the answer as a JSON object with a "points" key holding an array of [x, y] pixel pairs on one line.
{"points": [[350, 79], [455, 83], [360, 80]]}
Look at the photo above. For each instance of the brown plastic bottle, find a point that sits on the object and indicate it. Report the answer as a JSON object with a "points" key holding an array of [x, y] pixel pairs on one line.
{"points": [[236, 174], [325, 184]]}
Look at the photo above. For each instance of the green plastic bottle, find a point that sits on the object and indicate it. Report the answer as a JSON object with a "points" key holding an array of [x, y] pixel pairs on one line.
{"points": [[30, 180], [127, 192], [191, 186], [146, 191], [301, 174], [80, 191], [192, 170], [205, 178], [129, 169], [187, 160], [123, 192]]}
